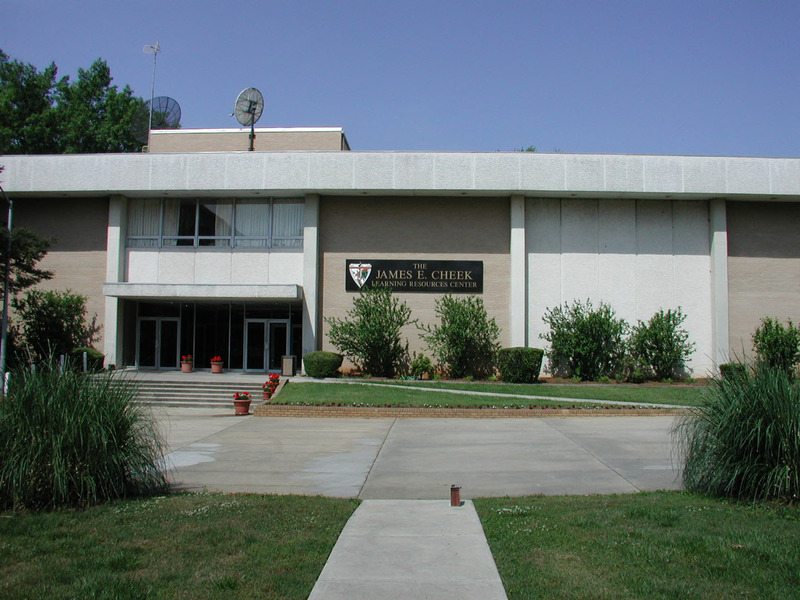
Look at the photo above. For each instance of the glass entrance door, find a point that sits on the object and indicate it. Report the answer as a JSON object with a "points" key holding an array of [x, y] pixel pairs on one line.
{"points": [[157, 343], [266, 342]]}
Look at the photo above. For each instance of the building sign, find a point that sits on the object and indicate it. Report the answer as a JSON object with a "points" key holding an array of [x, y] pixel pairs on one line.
{"points": [[441, 276]]}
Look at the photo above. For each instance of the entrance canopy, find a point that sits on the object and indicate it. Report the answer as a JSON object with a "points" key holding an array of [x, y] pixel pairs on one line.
{"points": [[195, 291]]}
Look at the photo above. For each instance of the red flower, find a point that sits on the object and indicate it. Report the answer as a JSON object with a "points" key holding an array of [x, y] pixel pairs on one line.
{"points": [[242, 396], [187, 358], [272, 382], [216, 359]]}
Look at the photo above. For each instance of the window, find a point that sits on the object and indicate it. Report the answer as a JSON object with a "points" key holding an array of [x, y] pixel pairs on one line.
{"points": [[228, 222]]}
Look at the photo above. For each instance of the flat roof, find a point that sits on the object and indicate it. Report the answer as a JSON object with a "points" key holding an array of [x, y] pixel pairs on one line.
{"points": [[295, 173]]}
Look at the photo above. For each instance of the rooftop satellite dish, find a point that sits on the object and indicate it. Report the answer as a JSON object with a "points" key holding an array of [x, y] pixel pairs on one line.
{"points": [[248, 109], [162, 112]]}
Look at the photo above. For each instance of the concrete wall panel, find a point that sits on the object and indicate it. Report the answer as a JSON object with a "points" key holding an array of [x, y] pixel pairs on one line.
{"points": [[544, 262], [638, 256]]}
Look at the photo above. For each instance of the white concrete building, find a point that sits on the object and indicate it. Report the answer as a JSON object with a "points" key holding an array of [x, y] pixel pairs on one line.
{"points": [[241, 254]]}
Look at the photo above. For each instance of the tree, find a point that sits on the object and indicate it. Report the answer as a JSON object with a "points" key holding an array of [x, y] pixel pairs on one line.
{"points": [[27, 121], [51, 323], [42, 115], [466, 341], [371, 335], [27, 249], [95, 116]]}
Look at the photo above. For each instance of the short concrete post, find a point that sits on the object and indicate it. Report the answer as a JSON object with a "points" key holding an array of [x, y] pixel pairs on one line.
{"points": [[455, 495]]}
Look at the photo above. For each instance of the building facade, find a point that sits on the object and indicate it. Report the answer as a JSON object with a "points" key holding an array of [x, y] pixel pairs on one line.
{"points": [[243, 254]]}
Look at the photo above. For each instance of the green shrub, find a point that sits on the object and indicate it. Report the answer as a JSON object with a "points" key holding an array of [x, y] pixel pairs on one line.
{"points": [[421, 365], [322, 364], [52, 323], [465, 342], [94, 359], [744, 441], [585, 342], [520, 365], [777, 345], [75, 440], [371, 335], [732, 370], [630, 370], [661, 346]]}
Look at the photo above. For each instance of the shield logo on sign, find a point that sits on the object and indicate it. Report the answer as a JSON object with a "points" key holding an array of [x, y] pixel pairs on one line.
{"points": [[360, 272]]}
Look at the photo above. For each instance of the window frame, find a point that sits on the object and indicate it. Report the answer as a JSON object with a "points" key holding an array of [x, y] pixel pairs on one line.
{"points": [[205, 242]]}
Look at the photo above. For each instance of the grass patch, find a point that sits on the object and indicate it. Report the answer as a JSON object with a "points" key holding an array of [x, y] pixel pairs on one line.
{"points": [[199, 546], [650, 394], [381, 395], [502, 394], [649, 545]]}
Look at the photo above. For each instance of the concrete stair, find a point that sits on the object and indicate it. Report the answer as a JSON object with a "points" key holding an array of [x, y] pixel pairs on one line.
{"points": [[194, 393]]}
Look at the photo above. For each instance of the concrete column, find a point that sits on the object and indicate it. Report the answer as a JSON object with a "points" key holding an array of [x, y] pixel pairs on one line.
{"points": [[310, 273], [115, 273], [719, 280], [518, 275]]}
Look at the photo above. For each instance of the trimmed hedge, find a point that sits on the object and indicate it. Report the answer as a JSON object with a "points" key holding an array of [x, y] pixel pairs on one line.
{"points": [[94, 359], [321, 364], [520, 365], [732, 370]]}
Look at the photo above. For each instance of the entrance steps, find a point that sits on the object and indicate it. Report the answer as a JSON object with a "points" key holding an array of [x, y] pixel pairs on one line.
{"points": [[192, 390]]}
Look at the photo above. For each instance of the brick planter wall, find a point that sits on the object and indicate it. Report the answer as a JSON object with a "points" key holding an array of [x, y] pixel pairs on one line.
{"points": [[296, 410]]}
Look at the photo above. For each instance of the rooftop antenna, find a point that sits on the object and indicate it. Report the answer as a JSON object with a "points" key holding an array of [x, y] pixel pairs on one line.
{"points": [[154, 50], [247, 110]]}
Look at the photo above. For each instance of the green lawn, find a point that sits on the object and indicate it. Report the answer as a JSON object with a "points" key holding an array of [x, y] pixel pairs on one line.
{"points": [[649, 545], [214, 546], [381, 393], [193, 546]]}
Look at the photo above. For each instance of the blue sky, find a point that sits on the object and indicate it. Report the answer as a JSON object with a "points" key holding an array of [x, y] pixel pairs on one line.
{"points": [[621, 77]]}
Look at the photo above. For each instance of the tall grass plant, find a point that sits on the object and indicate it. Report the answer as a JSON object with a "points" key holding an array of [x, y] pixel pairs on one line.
{"points": [[68, 439], [744, 441]]}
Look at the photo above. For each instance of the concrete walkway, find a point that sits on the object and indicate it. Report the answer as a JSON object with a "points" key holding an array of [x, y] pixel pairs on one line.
{"points": [[410, 549]]}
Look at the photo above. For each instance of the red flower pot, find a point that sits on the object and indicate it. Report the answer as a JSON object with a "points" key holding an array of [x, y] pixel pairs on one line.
{"points": [[242, 406]]}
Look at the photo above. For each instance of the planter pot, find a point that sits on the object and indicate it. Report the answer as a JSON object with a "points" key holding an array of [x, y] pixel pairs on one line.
{"points": [[267, 395], [216, 367], [242, 407], [186, 367]]}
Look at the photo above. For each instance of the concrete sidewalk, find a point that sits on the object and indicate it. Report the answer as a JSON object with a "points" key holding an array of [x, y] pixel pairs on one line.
{"points": [[410, 549]]}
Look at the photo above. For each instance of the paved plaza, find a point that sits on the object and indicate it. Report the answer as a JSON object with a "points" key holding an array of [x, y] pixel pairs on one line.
{"points": [[418, 459]]}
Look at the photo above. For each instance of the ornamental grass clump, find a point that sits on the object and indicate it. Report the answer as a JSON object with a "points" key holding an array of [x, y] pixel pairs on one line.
{"points": [[71, 440], [744, 441]]}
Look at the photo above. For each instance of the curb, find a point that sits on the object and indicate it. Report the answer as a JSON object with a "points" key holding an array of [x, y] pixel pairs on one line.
{"points": [[411, 412]]}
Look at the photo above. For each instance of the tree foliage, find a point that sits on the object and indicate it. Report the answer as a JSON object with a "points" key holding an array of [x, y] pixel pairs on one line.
{"points": [[27, 249], [371, 335], [466, 341], [51, 323], [40, 114]]}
